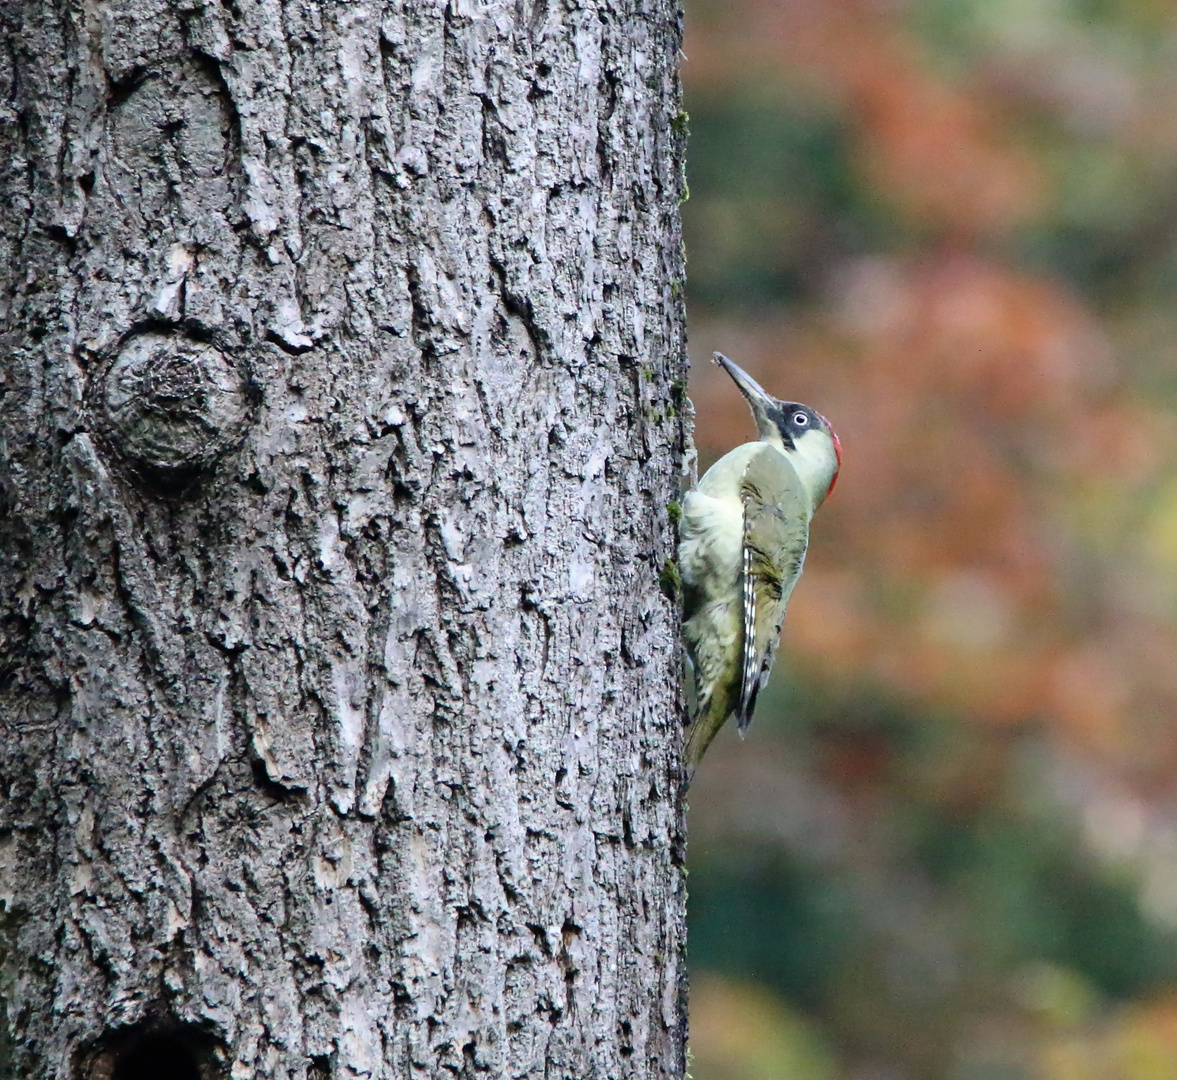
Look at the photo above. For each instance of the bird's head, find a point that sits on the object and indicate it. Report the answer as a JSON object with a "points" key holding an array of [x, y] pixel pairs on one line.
{"points": [[804, 436]]}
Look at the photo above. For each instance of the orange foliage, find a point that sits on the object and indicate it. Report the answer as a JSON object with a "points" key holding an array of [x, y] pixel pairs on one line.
{"points": [[939, 155]]}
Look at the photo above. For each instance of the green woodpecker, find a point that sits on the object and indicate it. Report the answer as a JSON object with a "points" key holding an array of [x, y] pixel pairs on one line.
{"points": [[743, 535]]}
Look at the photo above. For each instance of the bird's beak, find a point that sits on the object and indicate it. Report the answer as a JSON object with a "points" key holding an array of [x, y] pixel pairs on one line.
{"points": [[759, 401]]}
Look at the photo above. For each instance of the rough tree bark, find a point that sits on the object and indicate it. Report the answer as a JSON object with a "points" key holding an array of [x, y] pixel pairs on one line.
{"points": [[340, 703]]}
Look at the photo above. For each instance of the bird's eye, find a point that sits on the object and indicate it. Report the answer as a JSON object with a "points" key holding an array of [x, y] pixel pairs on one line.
{"points": [[800, 419]]}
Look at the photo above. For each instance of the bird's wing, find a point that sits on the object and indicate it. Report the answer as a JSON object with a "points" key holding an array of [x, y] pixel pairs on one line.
{"points": [[776, 534]]}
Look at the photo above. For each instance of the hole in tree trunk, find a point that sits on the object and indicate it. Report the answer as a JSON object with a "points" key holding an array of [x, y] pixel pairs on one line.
{"points": [[155, 1051], [156, 1057]]}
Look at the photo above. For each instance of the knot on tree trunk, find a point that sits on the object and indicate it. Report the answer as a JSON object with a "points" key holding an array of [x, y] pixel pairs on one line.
{"points": [[173, 404]]}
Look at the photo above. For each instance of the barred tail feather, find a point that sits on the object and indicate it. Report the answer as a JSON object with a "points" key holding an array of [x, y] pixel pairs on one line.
{"points": [[750, 679]]}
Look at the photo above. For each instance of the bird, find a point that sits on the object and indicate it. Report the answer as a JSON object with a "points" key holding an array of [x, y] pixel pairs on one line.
{"points": [[743, 534]]}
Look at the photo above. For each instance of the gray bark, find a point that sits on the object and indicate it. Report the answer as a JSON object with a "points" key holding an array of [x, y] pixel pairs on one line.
{"points": [[340, 704]]}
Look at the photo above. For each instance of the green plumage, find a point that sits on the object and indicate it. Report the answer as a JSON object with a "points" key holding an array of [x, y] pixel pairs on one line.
{"points": [[744, 532]]}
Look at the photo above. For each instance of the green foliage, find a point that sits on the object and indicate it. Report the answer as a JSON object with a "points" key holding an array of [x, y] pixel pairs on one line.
{"points": [[751, 238], [763, 915]]}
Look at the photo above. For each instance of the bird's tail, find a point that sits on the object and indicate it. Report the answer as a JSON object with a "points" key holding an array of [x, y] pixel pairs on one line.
{"points": [[708, 718]]}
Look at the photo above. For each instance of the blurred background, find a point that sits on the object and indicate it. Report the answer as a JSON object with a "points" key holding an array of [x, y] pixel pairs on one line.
{"points": [[947, 849]]}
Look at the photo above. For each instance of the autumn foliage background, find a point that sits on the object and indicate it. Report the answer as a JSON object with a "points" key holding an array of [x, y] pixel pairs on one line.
{"points": [[948, 847]]}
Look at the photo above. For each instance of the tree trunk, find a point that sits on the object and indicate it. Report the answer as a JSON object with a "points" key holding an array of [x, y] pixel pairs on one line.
{"points": [[341, 705]]}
